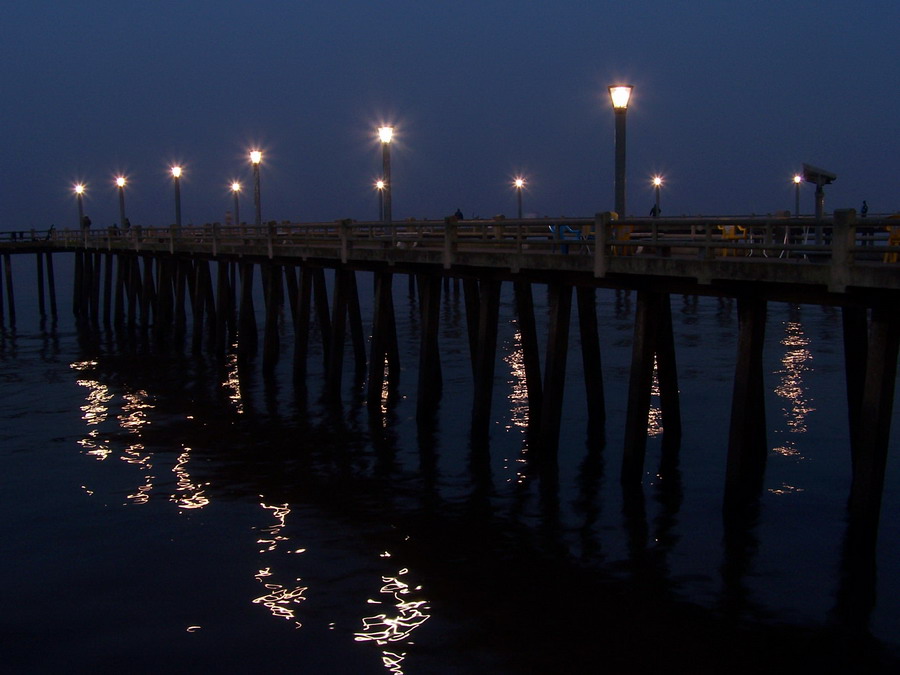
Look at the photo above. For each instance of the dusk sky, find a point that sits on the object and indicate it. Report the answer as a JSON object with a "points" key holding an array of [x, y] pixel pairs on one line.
{"points": [[729, 100]]}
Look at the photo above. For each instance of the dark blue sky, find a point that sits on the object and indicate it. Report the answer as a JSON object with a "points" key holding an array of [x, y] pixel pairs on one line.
{"points": [[729, 101]]}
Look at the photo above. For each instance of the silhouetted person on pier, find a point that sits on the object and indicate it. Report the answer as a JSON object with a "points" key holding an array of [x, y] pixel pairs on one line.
{"points": [[85, 223], [655, 211], [126, 225], [458, 214], [864, 210]]}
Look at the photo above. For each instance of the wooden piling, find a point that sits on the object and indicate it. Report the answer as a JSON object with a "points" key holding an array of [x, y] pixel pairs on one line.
{"points": [[10, 296], [560, 299], [320, 300], [747, 447], [485, 355], [108, 259], [334, 370], [430, 386], [51, 283], [873, 434], [302, 323], [855, 322], [40, 285], [271, 342], [247, 337], [590, 353]]}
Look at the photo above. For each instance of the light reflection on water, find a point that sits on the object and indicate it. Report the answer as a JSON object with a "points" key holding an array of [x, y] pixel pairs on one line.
{"points": [[282, 594], [795, 363], [406, 613], [280, 599]]}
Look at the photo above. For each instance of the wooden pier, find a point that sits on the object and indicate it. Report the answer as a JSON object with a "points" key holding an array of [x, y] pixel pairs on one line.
{"points": [[145, 278]]}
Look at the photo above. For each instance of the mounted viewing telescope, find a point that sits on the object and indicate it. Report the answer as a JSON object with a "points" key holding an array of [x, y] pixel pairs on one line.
{"points": [[819, 177]]}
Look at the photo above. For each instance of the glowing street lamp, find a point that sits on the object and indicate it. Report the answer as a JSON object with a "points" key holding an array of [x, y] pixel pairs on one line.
{"points": [[255, 159], [620, 95], [519, 184], [657, 184], [797, 180], [79, 197], [176, 177], [386, 134], [120, 184], [236, 191], [379, 185]]}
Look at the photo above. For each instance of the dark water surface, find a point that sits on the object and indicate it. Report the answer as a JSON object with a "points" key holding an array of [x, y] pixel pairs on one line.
{"points": [[163, 510]]}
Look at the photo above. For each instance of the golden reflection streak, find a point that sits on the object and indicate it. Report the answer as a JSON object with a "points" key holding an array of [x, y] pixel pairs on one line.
{"points": [[383, 629], [795, 363], [518, 397], [232, 383], [278, 598], [96, 411], [192, 496], [654, 416], [518, 393]]}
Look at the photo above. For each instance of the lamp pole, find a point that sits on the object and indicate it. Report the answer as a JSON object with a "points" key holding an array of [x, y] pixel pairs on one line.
{"points": [[386, 135], [620, 95], [797, 180], [176, 177], [519, 184], [379, 186], [657, 184], [79, 197], [236, 190], [120, 183], [255, 159]]}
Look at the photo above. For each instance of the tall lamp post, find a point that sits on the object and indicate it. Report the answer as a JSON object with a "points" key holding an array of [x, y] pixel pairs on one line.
{"points": [[620, 95], [236, 190], [120, 184], [79, 197], [797, 180], [379, 186], [255, 159], [519, 184], [657, 184], [176, 177], [386, 134]]}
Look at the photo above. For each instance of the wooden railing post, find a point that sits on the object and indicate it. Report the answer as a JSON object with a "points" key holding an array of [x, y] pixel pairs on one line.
{"points": [[601, 253], [346, 244], [843, 239], [450, 242]]}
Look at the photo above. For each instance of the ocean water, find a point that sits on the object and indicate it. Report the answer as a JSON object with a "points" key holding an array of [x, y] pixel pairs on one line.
{"points": [[170, 510]]}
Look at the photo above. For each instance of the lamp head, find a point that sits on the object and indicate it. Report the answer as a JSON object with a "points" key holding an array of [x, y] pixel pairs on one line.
{"points": [[385, 134], [176, 172], [235, 187], [657, 181], [79, 189], [519, 183], [120, 181], [255, 156], [380, 185], [798, 179], [620, 95]]}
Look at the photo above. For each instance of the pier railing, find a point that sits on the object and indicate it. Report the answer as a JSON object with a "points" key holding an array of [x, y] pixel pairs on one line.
{"points": [[838, 252]]}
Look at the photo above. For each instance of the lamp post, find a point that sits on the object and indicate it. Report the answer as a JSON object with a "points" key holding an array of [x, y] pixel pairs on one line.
{"points": [[176, 177], [120, 183], [79, 197], [519, 184], [797, 180], [379, 186], [255, 159], [657, 184], [620, 95], [236, 190], [386, 134]]}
